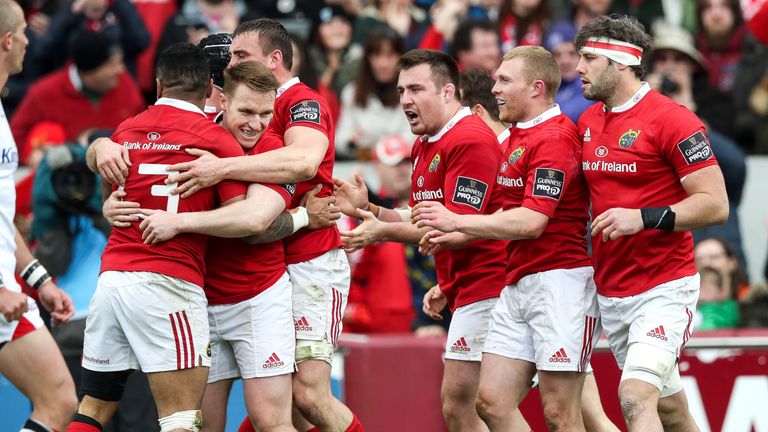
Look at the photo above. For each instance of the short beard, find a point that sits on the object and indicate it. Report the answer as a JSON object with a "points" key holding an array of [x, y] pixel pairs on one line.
{"points": [[604, 86]]}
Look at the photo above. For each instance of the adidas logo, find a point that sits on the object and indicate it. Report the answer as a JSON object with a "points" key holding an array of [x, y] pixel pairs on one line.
{"points": [[302, 324], [272, 362], [658, 333], [587, 136], [559, 357], [460, 346]]}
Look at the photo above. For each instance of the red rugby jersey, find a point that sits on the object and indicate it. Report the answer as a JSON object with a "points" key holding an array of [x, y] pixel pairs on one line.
{"points": [[635, 156], [156, 139], [457, 168], [541, 171], [238, 271], [299, 105]]}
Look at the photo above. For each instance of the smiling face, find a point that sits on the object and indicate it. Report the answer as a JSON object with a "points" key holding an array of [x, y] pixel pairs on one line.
{"points": [[421, 100], [247, 114], [512, 91], [599, 77]]}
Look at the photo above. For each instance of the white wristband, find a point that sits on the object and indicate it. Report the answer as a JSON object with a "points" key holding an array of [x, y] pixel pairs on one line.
{"points": [[300, 218], [35, 275], [405, 214]]}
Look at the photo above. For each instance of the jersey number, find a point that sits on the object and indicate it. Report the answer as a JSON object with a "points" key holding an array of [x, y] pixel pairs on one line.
{"points": [[163, 190]]}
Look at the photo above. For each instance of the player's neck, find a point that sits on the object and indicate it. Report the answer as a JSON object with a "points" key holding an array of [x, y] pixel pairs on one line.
{"points": [[451, 109], [282, 75], [624, 92], [538, 107], [3, 78]]}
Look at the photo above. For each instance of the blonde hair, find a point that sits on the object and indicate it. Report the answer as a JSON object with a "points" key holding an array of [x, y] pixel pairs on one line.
{"points": [[538, 64], [9, 19], [254, 75]]}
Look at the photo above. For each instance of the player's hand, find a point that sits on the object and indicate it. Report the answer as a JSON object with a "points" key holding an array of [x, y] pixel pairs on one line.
{"points": [[322, 211], [159, 226], [120, 213], [617, 222], [435, 241], [370, 231], [432, 330], [435, 215], [434, 303], [203, 172], [12, 304], [57, 302], [112, 160], [350, 197]]}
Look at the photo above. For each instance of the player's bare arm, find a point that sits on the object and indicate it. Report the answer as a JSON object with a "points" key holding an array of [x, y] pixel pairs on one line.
{"points": [[109, 159], [516, 224], [320, 212], [236, 218], [373, 230], [297, 161], [706, 205], [350, 197], [53, 299]]}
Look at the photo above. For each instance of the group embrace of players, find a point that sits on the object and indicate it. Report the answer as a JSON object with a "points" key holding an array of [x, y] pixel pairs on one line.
{"points": [[225, 261]]}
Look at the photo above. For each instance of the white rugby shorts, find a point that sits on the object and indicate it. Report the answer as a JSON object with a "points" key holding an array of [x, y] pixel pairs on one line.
{"points": [[548, 318], [254, 338], [468, 331], [146, 321], [320, 291], [660, 316]]}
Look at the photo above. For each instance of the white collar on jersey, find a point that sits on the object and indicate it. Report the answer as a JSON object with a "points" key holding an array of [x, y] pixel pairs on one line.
{"points": [[180, 104], [288, 84], [546, 115], [644, 89], [503, 136], [208, 109], [460, 114], [74, 78]]}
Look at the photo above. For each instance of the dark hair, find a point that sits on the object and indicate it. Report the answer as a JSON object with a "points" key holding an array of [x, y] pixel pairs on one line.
{"points": [[366, 84], [462, 38], [442, 67], [253, 75], [623, 28], [306, 72], [272, 36], [522, 23], [184, 67], [475, 88], [733, 5]]}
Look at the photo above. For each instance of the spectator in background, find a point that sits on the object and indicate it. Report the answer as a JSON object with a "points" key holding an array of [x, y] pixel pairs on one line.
{"points": [[716, 309], [476, 46], [118, 20], [523, 22], [94, 92], [475, 92], [677, 71], [585, 11], [559, 41], [406, 19], [380, 296], [719, 255], [154, 14], [754, 306], [329, 48], [680, 13], [370, 104], [302, 68]]}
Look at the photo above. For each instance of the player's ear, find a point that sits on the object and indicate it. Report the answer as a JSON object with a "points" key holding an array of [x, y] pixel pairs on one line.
{"points": [[538, 88], [209, 91], [159, 87], [223, 101], [6, 41], [478, 109], [449, 92]]}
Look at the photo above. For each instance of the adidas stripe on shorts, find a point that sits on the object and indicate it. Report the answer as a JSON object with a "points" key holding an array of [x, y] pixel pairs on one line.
{"points": [[660, 316], [468, 330], [253, 338], [548, 318]]}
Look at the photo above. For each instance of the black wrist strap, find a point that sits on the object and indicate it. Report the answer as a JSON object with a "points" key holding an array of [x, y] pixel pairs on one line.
{"points": [[660, 218]]}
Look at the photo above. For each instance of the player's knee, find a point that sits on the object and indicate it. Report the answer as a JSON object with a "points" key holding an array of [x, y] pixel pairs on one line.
{"points": [[104, 386], [486, 406], [190, 420], [557, 415], [307, 395], [314, 350], [635, 399], [59, 400]]}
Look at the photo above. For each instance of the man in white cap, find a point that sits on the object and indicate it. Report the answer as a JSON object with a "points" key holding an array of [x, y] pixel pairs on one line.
{"points": [[652, 177]]}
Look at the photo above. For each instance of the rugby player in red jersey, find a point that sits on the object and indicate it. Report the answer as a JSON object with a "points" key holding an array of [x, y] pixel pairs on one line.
{"points": [[652, 177], [545, 213], [455, 162], [149, 308]]}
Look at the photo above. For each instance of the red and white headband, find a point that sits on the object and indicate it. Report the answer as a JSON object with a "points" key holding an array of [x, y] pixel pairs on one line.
{"points": [[621, 52]]}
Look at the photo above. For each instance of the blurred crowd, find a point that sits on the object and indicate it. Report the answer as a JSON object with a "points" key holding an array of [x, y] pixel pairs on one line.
{"points": [[90, 65]]}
